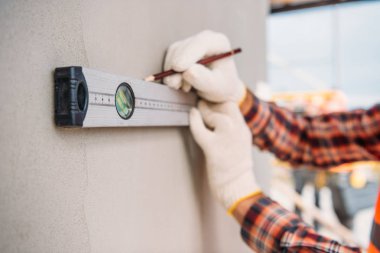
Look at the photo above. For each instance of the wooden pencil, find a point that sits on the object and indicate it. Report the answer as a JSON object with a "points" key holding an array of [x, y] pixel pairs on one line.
{"points": [[203, 61]]}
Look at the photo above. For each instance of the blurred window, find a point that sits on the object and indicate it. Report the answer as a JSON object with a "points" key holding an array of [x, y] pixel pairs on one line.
{"points": [[327, 47]]}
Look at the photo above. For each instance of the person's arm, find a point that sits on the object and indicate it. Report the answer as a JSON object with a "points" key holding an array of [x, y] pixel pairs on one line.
{"points": [[322, 141], [225, 139], [268, 227]]}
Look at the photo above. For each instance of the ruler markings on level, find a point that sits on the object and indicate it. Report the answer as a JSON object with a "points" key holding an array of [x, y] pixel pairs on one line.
{"points": [[100, 99]]}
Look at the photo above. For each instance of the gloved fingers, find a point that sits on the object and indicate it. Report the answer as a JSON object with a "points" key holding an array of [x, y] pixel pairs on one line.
{"points": [[186, 87], [204, 44], [202, 78], [173, 81], [201, 134], [212, 118], [204, 108]]}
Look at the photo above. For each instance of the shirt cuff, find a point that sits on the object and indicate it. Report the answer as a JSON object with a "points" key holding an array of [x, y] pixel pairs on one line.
{"points": [[265, 223], [234, 205]]}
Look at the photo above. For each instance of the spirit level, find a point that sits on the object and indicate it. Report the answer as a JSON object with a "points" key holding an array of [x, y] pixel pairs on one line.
{"points": [[90, 98]]}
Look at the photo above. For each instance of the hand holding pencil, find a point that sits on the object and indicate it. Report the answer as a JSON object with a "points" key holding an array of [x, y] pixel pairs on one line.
{"points": [[186, 61]]}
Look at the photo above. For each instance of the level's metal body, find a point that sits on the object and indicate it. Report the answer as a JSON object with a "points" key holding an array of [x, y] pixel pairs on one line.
{"points": [[153, 105]]}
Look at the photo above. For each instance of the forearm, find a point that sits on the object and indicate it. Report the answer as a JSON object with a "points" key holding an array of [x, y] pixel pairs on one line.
{"points": [[267, 227], [323, 141]]}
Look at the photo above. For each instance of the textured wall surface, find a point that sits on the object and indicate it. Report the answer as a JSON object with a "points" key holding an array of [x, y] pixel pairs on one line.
{"points": [[108, 190]]}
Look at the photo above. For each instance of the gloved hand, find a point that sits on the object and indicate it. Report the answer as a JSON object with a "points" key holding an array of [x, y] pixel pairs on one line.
{"points": [[226, 144], [219, 82]]}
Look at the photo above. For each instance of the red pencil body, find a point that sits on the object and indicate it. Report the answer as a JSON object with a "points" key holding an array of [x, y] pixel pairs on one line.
{"points": [[204, 61]]}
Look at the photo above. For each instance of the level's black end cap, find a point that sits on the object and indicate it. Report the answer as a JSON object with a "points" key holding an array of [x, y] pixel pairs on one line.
{"points": [[71, 96]]}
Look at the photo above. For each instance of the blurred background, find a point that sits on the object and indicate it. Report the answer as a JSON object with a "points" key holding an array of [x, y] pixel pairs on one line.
{"points": [[324, 56]]}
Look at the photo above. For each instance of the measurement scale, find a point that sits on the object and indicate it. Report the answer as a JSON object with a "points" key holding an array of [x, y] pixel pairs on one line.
{"points": [[90, 98]]}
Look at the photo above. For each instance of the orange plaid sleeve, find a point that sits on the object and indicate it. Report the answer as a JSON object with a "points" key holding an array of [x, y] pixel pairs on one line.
{"points": [[267, 227], [322, 141]]}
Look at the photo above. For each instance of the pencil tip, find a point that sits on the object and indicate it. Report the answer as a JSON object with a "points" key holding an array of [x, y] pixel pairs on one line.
{"points": [[149, 79]]}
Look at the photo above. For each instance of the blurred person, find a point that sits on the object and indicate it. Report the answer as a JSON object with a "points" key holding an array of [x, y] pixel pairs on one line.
{"points": [[233, 118]]}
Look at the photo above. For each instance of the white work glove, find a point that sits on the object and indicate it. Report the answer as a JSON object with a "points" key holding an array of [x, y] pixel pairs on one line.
{"points": [[218, 82], [226, 144]]}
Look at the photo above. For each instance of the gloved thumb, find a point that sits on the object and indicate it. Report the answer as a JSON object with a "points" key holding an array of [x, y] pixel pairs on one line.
{"points": [[201, 78], [197, 127], [213, 119]]}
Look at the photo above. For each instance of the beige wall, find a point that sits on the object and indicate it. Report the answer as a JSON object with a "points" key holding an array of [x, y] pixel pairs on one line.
{"points": [[108, 190]]}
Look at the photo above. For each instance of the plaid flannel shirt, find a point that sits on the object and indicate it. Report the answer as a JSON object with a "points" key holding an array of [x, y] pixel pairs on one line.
{"points": [[323, 141]]}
